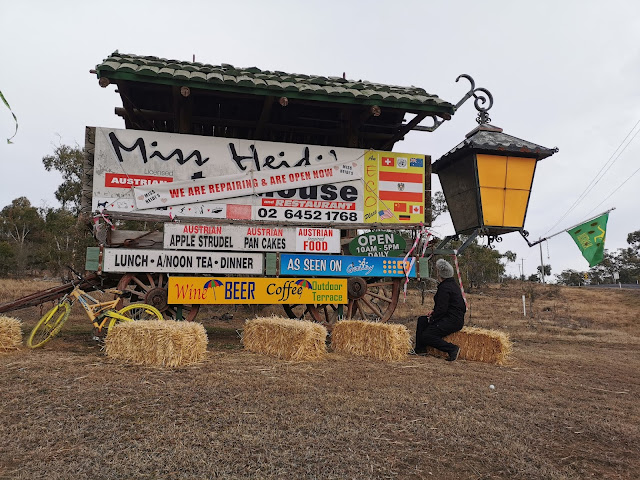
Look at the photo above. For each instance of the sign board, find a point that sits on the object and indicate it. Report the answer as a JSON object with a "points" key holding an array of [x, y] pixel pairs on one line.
{"points": [[344, 265], [256, 290], [214, 177], [246, 238], [378, 244], [170, 261]]}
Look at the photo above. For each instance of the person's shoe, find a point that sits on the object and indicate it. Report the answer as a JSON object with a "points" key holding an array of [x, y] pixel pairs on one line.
{"points": [[453, 355]]}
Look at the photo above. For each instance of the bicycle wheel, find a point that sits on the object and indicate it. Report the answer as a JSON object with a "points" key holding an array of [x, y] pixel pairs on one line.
{"points": [[49, 325], [137, 311]]}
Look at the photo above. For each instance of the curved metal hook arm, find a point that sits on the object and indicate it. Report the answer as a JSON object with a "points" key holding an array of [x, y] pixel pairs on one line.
{"points": [[481, 95]]}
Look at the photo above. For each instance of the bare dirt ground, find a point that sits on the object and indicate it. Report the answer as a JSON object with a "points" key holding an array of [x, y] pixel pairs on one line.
{"points": [[566, 407]]}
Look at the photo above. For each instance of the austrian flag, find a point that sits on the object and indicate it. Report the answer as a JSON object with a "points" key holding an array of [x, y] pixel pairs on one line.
{"points": [[401, 187]]}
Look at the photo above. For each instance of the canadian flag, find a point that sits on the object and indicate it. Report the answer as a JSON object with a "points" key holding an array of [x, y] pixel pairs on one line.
{"points": [[416, 208]]}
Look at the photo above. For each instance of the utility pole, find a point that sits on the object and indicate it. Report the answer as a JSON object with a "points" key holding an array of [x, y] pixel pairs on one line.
{"points": [[522, 269], [541, 263]]}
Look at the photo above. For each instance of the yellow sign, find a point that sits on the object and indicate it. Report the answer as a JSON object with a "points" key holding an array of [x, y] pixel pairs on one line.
{"points": [[249, 290], [394, 187]]}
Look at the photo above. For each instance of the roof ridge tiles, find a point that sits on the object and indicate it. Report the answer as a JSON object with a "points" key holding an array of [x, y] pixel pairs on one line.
{"points": [[208, 76]]}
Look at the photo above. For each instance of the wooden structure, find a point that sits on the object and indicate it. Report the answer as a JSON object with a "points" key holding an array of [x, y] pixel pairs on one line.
{"points": [[173, 96], [225, 101]]}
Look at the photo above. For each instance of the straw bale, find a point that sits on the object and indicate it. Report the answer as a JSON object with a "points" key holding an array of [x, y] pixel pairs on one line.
{"points": [[10, 334], [153, 342], [382, 341], [480, 345], [285, 338]]}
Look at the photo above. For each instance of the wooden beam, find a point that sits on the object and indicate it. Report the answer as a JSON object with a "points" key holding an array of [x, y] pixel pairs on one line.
{"points": [[182, 111], [404, 130], [265, 115], [138, 122]]}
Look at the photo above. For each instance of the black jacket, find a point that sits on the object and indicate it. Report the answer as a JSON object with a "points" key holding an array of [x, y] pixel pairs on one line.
{"points": [[449, 304]]}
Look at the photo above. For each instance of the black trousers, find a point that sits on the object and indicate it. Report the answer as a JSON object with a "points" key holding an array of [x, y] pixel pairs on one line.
{"points": [[431, 334]]}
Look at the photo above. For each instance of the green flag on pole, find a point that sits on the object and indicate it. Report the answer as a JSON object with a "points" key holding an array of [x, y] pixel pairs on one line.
{"points": [[590, 238]]}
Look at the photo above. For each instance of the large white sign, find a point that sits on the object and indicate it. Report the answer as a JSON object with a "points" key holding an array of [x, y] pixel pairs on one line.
{"points": [[124, 260], [212, 177], [247, 238]]}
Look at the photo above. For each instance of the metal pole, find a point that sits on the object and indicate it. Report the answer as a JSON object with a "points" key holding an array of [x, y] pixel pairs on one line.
{"points": [[522, 276], [541, 264]]}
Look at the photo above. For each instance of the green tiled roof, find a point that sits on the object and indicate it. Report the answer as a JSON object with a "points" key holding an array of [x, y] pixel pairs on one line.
{"points": [[262, 82]]}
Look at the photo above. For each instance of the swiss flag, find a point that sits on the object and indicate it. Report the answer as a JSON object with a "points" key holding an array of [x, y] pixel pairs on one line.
{"points": [[388, 161], [416, 208]]}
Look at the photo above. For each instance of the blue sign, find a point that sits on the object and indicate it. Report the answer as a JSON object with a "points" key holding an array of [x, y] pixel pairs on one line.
{"points": [[344, 265]]}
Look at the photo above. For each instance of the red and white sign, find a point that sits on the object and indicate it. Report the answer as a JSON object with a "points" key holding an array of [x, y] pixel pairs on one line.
{"points": [[242, 184], [315, 204], [316, 240], [122, 180]]}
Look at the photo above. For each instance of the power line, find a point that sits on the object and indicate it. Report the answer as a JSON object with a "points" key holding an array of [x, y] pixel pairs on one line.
{"points": [[609, 163], [618, 188]]}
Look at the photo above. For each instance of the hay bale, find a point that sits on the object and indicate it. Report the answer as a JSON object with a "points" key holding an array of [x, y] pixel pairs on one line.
{"points": [[382, 341], [153, 342], [285, 338], [10, 334], [479, 344]]}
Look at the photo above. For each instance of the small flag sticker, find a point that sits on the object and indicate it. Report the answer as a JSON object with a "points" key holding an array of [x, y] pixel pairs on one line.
{"points": [[416, 208], [384, 214], [399, 207], [388, 161], [416, 162], [405, 218]]}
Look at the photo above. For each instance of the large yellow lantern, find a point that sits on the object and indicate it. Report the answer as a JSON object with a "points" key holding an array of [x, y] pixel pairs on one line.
{"points": [[486, 181]]}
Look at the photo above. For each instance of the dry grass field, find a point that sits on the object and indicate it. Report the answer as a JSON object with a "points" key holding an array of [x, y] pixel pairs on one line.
{"points": [[565, 407]]}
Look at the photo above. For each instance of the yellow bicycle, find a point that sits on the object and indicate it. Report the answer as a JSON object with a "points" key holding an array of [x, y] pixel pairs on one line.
{"points": [[101, 314]]}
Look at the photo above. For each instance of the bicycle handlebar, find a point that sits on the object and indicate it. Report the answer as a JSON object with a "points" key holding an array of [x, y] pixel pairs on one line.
{"points": [[81, 278]]}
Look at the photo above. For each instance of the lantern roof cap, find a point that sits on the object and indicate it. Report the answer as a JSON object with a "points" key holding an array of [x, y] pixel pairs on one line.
{"points": [[489, 139]]}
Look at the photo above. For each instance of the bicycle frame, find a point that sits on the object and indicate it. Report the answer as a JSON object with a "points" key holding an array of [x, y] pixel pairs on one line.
{"points": [[98, 312]]}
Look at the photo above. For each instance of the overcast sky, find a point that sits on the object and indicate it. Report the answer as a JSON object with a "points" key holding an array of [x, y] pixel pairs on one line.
{"points": [[563, 74]]}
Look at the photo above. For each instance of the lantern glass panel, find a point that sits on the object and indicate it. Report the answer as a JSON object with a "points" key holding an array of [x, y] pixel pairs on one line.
{"points": [[515, 207], [520, 173], [492, 205], [492, 171], [505, 183]]}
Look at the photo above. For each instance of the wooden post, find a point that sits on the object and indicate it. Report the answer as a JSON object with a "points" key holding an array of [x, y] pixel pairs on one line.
{"points": [[182, 111]]}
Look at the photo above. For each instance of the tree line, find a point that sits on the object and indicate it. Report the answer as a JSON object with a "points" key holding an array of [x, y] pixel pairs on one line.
{"points": [[625, 262], [44, 240]]}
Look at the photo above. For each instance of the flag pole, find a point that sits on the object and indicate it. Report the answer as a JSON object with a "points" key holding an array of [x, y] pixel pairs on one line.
{"points": [[566, 229]]}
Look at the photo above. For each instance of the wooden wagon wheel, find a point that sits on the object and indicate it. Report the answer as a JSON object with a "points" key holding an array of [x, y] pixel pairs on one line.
{"points": [[373, 299], [151, 288]]}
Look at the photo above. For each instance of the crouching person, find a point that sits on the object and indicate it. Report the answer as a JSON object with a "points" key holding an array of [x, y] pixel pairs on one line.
{"points": [[447, 316]]}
